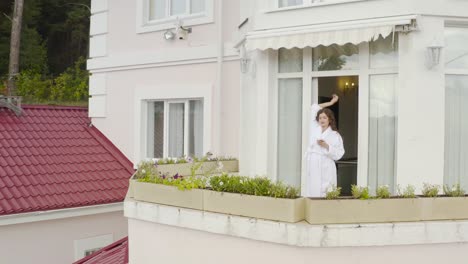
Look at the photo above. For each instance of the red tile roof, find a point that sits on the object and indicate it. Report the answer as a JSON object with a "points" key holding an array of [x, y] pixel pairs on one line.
{"points": [[116, 253], [50, 158]]}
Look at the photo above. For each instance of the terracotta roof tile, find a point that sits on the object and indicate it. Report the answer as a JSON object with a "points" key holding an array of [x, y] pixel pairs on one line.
{"points": [[51, 159]]}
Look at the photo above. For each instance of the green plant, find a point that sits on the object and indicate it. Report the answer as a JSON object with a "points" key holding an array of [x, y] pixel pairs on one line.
{"points": [[383, 192], [455, 191], [147, 170], [333, 192], [360, 192], [430, 190], [408, 192], [259, 186]]}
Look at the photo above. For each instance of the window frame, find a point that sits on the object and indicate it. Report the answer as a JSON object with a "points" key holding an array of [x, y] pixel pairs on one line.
{"points": [[274, 6], [167, 102], [450, 72], [145, 24], [309, 79]]}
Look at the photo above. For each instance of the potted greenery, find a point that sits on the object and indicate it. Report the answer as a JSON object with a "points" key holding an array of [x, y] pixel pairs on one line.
{"points": [[255, 197], [188, 166], [406, 206]]}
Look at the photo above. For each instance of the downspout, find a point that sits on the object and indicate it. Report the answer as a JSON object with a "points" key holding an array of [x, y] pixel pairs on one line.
{"points": [[218, 88]]}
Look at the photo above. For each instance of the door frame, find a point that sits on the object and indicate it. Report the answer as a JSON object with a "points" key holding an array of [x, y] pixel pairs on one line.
{"points": [[310, 79]]}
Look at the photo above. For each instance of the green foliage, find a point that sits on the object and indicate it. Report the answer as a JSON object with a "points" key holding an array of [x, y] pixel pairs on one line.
{"points": [[360, 192], [33, 85], [72, 85], [383, 192], [408, 192], [333, 192], [430, 190], [148, 172], [455, 191], [259, 186]]}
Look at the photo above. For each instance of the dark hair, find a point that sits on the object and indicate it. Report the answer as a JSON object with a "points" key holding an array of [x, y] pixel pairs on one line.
{"points": [[330, 115]]}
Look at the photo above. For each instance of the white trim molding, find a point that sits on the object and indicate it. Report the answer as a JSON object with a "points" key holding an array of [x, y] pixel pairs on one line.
{"points": [[59, 214], [98, 6], [176, 56], [301, 234], [144, 24]]}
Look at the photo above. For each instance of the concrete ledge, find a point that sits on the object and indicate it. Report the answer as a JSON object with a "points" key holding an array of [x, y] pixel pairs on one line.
{"points": [[301, 234]]}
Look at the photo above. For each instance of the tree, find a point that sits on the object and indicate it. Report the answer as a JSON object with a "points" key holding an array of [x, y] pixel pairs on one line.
{"points": [[15, 42]]}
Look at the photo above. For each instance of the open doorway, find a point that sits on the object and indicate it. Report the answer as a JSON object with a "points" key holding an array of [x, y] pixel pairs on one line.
{"points": [[346, 114]]}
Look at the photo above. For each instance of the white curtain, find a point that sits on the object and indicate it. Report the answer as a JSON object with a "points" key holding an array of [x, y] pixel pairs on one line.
{"points": [[284, 3], [197, 6], [196, 128], [382, 131], [178, 7], [176, 129], [456, 131], [157, 9], [290, 131]]}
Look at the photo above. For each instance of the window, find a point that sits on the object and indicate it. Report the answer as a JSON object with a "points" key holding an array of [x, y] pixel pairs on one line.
{"points": [[308, 3], [175, 128], [87, 246], [286, 3], [336, 57], [158, 15], [92, 251], [163, 9], [382, 130], [456, 106]]}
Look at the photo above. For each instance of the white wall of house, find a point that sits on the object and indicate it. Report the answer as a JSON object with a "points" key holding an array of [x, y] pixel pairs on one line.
{"points": [[181, 245], [61, 240], [142, 66], [420, 91]]}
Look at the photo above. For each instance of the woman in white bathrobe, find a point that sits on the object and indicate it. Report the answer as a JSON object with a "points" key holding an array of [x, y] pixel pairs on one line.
{"points": [[325, 147]]}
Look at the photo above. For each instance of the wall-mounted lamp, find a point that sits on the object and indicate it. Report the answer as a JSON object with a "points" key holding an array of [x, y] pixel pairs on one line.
{"points": [[245, 61], [433, 54]]}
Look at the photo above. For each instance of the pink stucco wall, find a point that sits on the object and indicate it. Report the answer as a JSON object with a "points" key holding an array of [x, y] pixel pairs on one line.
{"points": [[155, 243], [52, 242]]}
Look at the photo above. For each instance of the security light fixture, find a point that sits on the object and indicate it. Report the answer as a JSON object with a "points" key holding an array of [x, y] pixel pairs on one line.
{"points": [[169, 35]]}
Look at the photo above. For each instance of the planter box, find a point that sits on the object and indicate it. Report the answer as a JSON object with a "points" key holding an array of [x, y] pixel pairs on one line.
{"points": [[286, 210], [168, 195], [208, 166], [444, 208], [348, 211]]}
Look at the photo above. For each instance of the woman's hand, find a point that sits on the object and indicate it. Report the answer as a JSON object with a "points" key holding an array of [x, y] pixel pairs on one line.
{"points": [[323, 144], [334, 99]]}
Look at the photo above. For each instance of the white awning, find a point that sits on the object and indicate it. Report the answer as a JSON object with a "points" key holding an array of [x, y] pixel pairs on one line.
{"points": [[341, 33]]}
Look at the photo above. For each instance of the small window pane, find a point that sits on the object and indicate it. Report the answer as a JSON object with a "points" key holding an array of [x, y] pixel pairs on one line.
{"points": [[335, 57], [176, 130], [384, 52], [456, 48], [290, 60], [197, 6], [157, 9], [290, 131], [196, 128], [155, 130], [178, 7], [456, 129], [285, 3]]}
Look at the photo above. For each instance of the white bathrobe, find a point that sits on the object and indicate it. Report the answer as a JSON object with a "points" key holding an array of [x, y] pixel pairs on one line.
{"points": [[321, 168]]}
